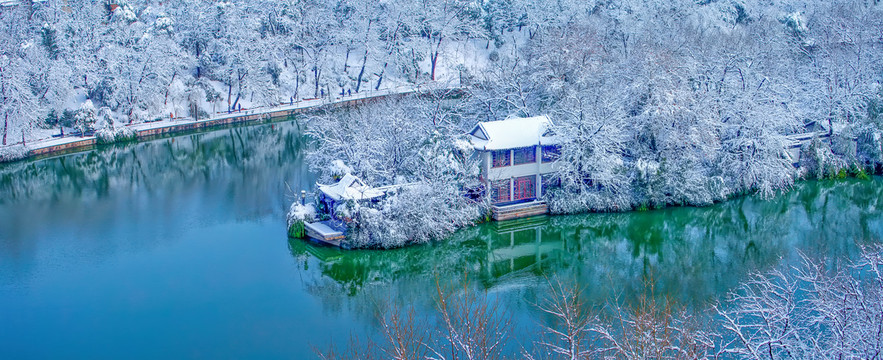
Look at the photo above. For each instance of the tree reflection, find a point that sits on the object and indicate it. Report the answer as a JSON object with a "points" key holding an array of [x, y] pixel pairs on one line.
{"points": [[157, 188], [692, 255]]}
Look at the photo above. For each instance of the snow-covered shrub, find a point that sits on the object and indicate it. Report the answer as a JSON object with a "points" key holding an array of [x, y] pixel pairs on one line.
{"points": [[755, 163], [108, 135], [818, 161], [569, 200], [13, 152], [414, 214], [297, 215], [123, 11], [796, 23], [346, 210], [689, 184], [164, 25], [338, 169], [85, 118], [843, 145], [869, 146], [51, 120], [105, 130]]}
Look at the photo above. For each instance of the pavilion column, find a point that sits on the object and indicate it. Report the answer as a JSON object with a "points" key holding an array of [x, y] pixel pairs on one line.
{"points": [[539, 157], [539, 189], [511, 178]]}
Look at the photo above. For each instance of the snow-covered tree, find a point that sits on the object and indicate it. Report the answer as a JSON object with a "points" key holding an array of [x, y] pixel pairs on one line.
{"points": [[812, 312], [18, 105], [86, 117]]}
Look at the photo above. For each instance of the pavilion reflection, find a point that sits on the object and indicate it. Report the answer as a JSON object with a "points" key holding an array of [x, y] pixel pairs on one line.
{"points": [[492, 254], [690, 255]]}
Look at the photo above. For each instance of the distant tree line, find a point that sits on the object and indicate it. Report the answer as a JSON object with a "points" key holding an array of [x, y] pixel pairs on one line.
{"points": [[657, 104], [149, 59]]}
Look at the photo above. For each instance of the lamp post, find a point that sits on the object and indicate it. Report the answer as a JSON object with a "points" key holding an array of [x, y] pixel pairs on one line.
{"points": [[303, 197]]}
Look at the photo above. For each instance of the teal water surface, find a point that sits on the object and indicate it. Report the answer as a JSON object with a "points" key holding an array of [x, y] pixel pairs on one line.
{"points": [[177, 248]]}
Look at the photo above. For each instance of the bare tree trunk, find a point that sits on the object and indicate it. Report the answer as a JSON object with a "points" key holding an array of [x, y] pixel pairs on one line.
{"points": [[830, 132], [380, 78], [362, 71], [416, 67], [346, 59], [625, 45], [5, 127], [296, 84], [229, 95], [391, 48], [240, 75], [166, 100], [31, 9], [316, 74], [198, 68], [434, 57], [238, 96], [132, 108]]}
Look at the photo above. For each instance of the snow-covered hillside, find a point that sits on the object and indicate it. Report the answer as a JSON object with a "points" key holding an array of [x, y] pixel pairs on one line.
{"points": [[144, 60], [657, 102]]}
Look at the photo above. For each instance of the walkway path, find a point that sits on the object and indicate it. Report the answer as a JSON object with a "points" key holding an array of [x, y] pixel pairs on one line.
{"points": [[51, 145]]}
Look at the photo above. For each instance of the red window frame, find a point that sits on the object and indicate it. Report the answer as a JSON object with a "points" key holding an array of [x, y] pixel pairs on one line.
{"points": [[500, 158], [525, 187], [500, 191]]}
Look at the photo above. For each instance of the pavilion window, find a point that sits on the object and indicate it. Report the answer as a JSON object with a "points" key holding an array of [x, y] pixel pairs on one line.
{"points": [[500, 191], [551, 153], [501, 158], [525, 187], [525, 155]]}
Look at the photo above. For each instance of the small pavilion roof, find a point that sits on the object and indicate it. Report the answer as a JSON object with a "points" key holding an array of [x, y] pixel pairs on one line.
{"points": [[350, 187], [513, 133]]}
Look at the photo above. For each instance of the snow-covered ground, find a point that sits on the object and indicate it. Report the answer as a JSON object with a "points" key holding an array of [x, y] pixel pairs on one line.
{"points": [[43, 138], [143, 62]]}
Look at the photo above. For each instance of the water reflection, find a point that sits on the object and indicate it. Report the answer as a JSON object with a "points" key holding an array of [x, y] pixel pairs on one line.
{"points": [[123, 243], [131, 196], [692, 255]]}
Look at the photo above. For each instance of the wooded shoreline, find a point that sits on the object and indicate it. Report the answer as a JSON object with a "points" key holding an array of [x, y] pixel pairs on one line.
{"points": [[175, 127]]}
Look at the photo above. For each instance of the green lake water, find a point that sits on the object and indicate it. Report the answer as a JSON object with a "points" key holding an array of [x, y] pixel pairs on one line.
{"points": [[177, 248]]}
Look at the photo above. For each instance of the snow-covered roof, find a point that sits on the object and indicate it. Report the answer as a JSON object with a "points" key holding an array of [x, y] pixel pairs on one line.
{"points": [[815, 125], [350, 187], [512, 133]]}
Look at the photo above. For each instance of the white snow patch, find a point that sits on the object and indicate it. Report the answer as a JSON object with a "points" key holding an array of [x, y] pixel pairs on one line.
{"points": [[350, 187], [298, 212], [513, 133], [339, 168]]}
